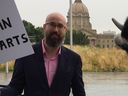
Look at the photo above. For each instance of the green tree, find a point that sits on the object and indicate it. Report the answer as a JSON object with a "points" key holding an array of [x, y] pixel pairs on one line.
{"points": [[79, 38], [30, 28], [39, 34], [67, 38], [35, 34]]}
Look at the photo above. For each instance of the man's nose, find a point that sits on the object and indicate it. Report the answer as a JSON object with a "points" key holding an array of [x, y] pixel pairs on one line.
{"points": [[56, 28]]}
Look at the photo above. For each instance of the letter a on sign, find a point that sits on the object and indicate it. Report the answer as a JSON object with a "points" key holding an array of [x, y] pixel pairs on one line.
{"points": [[14, 41]]}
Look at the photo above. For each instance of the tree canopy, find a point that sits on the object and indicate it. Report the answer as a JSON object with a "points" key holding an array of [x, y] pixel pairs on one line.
{"points": [[79, 38], [35, 34]]}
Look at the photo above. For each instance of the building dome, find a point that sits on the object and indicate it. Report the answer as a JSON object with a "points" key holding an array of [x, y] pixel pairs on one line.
{"points": [[79, 8]]}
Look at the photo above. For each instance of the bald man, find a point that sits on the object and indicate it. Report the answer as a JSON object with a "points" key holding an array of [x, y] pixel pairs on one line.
{"points": [[53, 70]]}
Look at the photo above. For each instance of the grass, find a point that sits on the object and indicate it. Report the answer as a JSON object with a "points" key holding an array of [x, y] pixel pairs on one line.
{"points": [[10, 65], [102, 59], [96, 59]]}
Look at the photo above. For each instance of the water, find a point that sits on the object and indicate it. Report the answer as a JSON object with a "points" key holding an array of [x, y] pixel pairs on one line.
{"points": [[5, 78], [106, 84], [96, 84]]}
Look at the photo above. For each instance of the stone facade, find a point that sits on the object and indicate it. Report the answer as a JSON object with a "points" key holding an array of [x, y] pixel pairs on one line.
{"points": [[81, 22], [106, 40]]}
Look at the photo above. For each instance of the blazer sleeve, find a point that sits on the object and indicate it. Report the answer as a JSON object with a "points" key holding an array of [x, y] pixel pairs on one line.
{"points": [[77, 81], [18, 78], [7, 91]]}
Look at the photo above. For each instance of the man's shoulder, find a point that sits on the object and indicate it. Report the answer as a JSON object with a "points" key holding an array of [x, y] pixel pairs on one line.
{"points": [[69, 51]]}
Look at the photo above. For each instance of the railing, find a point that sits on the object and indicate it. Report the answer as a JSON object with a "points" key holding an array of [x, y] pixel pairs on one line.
{"points": [[2, 86]]}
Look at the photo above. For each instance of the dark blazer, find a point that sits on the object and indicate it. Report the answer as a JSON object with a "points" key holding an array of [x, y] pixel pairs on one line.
{"points": [[30, 75]]}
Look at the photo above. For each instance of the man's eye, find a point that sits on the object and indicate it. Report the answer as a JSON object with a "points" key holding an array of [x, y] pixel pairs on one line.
{"points": [[60, 26], [53, 24]]}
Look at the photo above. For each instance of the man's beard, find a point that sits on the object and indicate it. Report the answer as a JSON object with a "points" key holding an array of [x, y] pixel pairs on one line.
{"points": [[54, 40]]}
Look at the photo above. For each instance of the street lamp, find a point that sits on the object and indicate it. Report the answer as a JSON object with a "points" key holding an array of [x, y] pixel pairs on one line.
{"points": [[71, 37]]}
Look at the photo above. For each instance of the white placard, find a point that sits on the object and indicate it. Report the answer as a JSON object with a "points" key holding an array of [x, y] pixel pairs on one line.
{"points": [[14, 41]]}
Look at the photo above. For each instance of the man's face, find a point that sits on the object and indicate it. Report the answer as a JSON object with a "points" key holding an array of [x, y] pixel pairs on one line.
{"points": [[54, 33]]}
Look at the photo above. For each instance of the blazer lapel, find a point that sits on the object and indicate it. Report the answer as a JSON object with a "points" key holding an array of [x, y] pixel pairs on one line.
{"points": [[41, 65], [62, 60]]}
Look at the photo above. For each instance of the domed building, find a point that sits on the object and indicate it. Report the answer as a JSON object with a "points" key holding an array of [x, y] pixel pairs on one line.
{"points": [[81, 22]]}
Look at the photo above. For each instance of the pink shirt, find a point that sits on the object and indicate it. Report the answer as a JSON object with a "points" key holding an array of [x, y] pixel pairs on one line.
{"points": [[50, 64]]}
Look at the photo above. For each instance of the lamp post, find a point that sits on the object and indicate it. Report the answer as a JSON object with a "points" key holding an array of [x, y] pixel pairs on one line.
{"points": [[71, 37]]}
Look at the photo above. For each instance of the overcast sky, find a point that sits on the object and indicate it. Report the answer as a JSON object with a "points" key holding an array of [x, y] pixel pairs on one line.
{"points": [[100, 11]]}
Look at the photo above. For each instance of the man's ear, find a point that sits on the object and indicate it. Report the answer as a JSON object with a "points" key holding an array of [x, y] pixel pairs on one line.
{"points": [[66, 29]]}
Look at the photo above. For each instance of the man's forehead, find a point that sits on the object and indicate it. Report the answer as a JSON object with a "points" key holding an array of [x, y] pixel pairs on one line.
{"points": [[56, 21], [56, 17]]}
